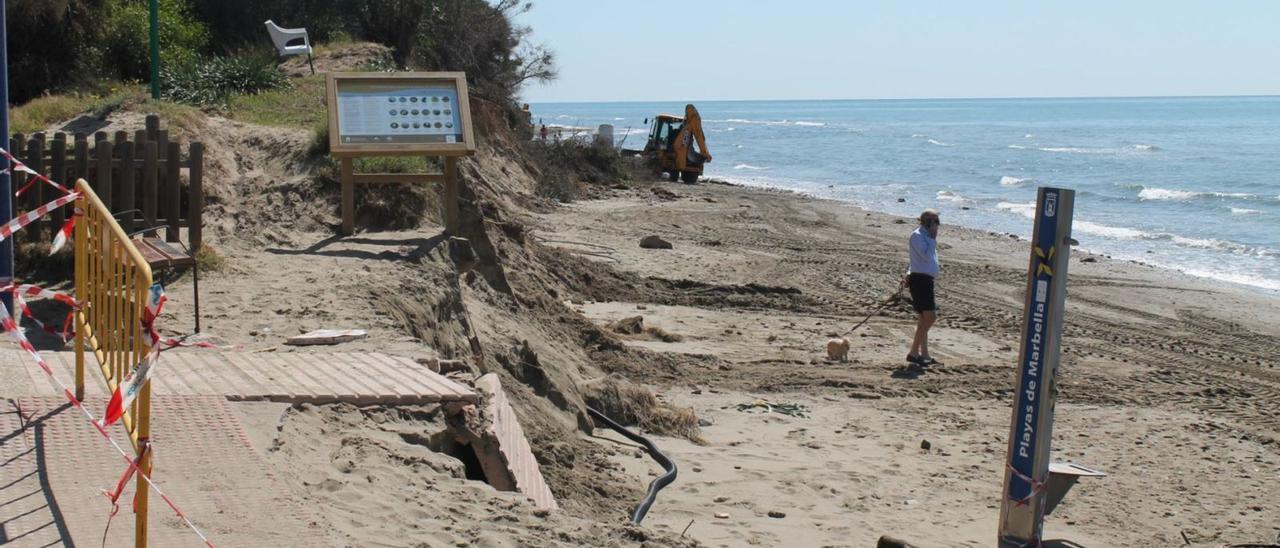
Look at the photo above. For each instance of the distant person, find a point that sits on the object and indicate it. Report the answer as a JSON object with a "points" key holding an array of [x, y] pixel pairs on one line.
{"points": [[543, 132], [922, 250]]}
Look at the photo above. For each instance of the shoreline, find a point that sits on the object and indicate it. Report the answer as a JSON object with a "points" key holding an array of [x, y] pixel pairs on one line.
{"points": [[1265, 290]]}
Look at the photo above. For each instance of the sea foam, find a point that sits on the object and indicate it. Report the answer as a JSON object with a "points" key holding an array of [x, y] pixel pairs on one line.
{"points": [[1026, 209], [1156, 193]]}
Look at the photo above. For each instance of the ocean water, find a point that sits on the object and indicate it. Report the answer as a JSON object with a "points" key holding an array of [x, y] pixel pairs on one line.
{"points": [[1191, 184]]}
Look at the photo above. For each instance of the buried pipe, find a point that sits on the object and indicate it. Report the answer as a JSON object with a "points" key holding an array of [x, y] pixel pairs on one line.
{"points": [[659, 482]]}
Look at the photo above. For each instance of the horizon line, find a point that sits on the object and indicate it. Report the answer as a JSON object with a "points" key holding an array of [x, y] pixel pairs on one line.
{"points": [[1006, 98]]}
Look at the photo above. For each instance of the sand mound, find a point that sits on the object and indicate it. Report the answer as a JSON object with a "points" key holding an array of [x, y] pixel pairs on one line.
{"points": [[340, 58], [382, 476]]}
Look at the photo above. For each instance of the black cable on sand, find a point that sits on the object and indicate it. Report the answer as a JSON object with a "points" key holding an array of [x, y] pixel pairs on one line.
{"points": [[659, 482]]}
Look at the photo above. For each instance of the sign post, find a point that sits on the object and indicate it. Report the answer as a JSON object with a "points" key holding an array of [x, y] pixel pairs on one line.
{"points": [[1026, 474], [399, 114], [6, 188], [154, 38]]}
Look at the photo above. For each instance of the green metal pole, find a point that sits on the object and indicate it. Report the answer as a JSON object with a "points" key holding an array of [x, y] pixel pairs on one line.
{"points": [[155, 49]]}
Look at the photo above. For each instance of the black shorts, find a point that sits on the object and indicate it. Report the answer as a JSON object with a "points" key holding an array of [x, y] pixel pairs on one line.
{"points": [[921, 286]]}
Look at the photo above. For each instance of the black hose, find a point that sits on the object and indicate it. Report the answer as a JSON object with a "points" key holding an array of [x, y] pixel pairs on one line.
{"points": [[659, 482]]}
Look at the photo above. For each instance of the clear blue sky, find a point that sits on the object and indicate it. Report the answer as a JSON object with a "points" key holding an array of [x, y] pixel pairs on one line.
{"points": [[639, 50]]}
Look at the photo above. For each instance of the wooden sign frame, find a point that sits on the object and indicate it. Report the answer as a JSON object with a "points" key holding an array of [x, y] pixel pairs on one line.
{"points": [[346, 151]]}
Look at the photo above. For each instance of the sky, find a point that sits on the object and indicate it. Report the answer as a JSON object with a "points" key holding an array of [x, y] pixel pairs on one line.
{"points": [[681, 50]]}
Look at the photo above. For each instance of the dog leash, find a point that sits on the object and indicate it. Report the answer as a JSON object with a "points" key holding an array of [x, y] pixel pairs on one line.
{"points": [[892, 299]]}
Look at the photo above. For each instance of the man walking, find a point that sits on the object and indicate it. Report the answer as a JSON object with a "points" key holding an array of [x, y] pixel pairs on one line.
{"points": [[923, 252]]}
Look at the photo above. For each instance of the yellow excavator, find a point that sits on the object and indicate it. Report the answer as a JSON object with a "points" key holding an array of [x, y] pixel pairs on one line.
{"points": [[670, 146]]}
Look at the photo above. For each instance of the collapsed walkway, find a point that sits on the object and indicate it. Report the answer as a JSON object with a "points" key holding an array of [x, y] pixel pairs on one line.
{"points": [[54, 466]]}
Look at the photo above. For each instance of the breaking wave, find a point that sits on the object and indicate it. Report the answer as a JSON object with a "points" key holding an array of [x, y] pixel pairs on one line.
{"points": [[750, 167], [1014, 181], [783, 122], [1026, 209], [949, 196], [1090, 150], [1156, 193]]}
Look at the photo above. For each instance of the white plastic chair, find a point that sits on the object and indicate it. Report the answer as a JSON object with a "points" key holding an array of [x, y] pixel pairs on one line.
{"points": [[281, 37]]}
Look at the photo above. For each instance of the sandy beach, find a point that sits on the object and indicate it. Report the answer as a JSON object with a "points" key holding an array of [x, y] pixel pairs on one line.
{"points": [[1167, 382], [421, 274]]}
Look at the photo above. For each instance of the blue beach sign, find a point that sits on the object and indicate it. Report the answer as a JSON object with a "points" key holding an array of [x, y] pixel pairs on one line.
{"points": [[1031, 428]]}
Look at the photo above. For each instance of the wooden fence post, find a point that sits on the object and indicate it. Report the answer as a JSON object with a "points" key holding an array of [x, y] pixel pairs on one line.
{"points": [[82, 157], [102, 182], [58, 172], [150, 182], [173, 192], [195, 198], [35, 161], [125, 148], [153, 128]]}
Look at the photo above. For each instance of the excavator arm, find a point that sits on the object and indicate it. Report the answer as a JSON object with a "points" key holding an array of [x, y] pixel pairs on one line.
{"points": [[689, 132]]}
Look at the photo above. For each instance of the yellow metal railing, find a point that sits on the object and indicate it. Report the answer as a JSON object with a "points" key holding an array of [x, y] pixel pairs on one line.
{"points": [[112, 284]]}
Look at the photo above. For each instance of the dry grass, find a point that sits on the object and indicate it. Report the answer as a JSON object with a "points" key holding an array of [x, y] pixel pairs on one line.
{"points": [[41, 112], [208, 259], [663, 335], [179, 119], [632, 404], [300, 105]]}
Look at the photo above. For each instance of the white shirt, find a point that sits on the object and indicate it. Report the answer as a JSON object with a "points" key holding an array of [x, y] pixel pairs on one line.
{"points": [[923, 251]]}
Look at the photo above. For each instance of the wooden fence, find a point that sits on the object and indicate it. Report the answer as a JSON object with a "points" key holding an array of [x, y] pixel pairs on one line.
{"points": [[140, 180]]}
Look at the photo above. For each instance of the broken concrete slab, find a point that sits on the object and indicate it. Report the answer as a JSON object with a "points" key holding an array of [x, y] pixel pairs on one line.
{"points": [[494, 434], [327, 336]]}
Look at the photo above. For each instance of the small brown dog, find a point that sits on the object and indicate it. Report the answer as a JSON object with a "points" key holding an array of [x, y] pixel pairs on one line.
{"points": [[838, 349]]}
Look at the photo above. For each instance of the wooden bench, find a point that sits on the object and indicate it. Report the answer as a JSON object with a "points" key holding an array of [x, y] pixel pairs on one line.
{"points": [[161, 254]]}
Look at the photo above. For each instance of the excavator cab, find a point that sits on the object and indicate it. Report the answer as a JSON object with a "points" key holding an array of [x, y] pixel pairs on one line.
{"points": [[670, 148]]}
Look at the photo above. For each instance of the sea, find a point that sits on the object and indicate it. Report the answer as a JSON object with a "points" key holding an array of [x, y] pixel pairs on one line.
{"points": [[1187, 183]]}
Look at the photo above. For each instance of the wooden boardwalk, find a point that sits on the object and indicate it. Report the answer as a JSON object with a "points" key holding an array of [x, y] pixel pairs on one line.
{"points": [[291, 377], [54, 464]]}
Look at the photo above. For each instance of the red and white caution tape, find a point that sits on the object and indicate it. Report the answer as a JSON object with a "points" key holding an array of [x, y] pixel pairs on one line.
{"points": [[9, 325], [132, 384], [17, 165], [1036, 486], [31, 290], [35, 291], [65, 335], [64, 234], [31, 216]]}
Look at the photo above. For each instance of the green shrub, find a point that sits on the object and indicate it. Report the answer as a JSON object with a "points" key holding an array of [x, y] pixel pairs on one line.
{"points": [[319, 145], [395, 164], [212, 81], [53, 46], [126, 46], [558, 185], [587, 161]]}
